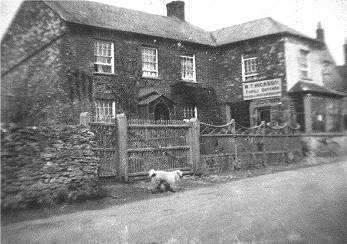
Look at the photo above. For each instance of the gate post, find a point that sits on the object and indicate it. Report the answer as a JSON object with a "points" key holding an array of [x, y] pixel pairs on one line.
{"points": [[122, 132], [194, 144]]}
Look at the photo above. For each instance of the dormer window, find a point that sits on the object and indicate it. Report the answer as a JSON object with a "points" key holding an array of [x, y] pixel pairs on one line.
{"points": [[249, 67], [303, 64]]}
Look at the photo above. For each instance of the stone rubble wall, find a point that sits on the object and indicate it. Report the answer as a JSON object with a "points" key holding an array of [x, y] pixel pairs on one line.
{"points": [[47, 165]]}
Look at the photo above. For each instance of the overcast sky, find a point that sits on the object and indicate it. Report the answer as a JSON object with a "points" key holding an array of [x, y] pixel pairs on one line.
{"points": [[302, 15]]}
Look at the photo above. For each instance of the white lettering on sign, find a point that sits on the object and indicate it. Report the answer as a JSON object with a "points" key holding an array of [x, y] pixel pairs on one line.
{"points": [[262, 89]]}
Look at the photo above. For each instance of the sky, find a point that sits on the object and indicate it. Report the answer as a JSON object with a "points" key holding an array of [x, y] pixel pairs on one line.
{"points": [[302, 15]]}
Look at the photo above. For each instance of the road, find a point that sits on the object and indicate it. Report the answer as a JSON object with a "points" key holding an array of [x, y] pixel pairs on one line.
{"points": [[307, 205]]}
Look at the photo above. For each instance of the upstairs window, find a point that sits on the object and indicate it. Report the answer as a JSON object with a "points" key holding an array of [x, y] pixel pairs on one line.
{"points": [[103, 57], [249, 67], [188, 68], [303, 64], [149, 62], [190, 111]]}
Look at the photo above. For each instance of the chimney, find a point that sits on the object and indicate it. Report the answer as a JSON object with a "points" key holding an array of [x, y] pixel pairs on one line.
{"points": [[175, 9], [320, 33]]}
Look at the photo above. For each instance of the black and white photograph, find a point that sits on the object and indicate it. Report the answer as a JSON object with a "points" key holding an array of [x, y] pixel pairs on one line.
{"points": [[173, 121]]}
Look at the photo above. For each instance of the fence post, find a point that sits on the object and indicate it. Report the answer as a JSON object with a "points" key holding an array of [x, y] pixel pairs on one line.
{"points": [[194, 144], [263, 131], [122, 132], [85, 119]]}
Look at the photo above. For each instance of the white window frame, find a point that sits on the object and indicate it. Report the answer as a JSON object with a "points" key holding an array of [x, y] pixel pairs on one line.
{"points": [[302, 67], [252, 76], [105, 110], [143, 49], [190, 111], [184, 76], [96, 54]]}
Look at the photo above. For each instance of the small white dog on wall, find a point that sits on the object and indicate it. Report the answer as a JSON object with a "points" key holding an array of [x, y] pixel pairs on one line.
{"points": [[164, 180]]}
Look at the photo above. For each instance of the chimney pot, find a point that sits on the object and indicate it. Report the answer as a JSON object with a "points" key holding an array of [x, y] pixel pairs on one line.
{"points": [[320, 33], [176, 9]]}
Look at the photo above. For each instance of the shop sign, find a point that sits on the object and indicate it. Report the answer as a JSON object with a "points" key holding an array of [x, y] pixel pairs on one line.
{"points": [[262, 89]]}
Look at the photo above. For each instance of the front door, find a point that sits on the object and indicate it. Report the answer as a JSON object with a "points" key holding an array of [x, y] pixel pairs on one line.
{"points": [[161, 112]]}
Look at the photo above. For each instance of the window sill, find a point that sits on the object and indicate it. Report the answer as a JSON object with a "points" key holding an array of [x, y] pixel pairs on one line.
{"points": [[189, 81], [104, 74], [305, 79], [151, 78]]}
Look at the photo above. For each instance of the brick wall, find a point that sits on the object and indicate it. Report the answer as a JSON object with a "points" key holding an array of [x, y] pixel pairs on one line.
{"points": [[47, 165]]}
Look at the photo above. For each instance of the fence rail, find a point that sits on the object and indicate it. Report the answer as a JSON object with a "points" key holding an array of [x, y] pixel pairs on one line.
{"points": [[234, 146]]}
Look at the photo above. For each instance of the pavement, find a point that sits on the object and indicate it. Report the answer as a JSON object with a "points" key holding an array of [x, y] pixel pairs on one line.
{"points": [[307, 205]]}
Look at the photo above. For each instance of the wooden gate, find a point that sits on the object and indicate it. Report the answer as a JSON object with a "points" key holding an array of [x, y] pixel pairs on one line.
{"points": [[160, 145], [128, 149], [106, 148]]}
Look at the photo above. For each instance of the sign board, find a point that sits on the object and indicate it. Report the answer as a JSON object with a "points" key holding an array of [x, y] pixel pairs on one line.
{"points": [[262, 89]]}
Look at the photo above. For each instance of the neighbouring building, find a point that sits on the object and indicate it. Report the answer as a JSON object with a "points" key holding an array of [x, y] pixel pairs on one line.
{"points": [[343, 85], [60, 58]]}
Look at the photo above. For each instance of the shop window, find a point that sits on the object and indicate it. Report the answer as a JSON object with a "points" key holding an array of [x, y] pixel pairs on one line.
{"points": [[326, 115], [249, 67], [263, 114]]}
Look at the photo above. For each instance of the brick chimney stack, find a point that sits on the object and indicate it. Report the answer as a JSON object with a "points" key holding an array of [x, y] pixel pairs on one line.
{"points": [[320, 33], [345, 50], [175, 9]]}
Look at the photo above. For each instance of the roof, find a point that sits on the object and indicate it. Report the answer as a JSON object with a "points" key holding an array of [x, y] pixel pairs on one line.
{"points": [[253, 29], [129, 20], [306, 87], [133, 21]]}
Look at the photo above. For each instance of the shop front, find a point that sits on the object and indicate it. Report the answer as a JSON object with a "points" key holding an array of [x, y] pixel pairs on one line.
{"points": [[318, 109]]}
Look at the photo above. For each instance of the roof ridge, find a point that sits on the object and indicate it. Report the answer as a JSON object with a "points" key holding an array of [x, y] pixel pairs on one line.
{"points": [[243, 23]]}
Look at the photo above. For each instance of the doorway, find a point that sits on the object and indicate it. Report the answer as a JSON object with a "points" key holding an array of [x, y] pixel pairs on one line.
{"points": [[263, 114], [161, 112]]}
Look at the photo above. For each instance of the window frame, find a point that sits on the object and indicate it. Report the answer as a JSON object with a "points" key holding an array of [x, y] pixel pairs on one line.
{"points": [[304, 67], [105, 113], [244, 64], [189, 110], [101, 63], [156, 63], [193, 79]]}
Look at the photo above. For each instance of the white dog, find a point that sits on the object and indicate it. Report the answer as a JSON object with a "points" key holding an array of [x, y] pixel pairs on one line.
{"points": [[167, 179]]}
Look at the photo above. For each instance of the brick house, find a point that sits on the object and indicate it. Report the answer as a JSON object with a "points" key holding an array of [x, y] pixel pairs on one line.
{"points": [[85, 56]]}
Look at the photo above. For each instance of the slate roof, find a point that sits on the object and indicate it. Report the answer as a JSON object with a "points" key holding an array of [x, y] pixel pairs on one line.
{"points": [[133, 21], [129, 20], [253, 29], [308, 87]]}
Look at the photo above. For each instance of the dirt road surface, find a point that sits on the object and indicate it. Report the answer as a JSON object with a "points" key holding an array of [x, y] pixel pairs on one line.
{"points": [[301, 206]]}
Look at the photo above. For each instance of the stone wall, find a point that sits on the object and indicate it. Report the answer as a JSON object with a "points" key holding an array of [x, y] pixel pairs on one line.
{"points": [[32, 89], [128, 66], [47, 165]]}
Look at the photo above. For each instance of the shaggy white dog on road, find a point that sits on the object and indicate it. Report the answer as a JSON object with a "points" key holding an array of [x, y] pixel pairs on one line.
{"points": [[167, 179]]}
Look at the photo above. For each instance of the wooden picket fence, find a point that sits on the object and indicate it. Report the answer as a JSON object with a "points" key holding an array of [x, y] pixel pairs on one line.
{"points": [[232, 146], [129, 148]]}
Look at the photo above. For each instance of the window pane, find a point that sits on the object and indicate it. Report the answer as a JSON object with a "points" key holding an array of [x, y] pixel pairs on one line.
{"points": [[149, 62], [103, 56]]}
